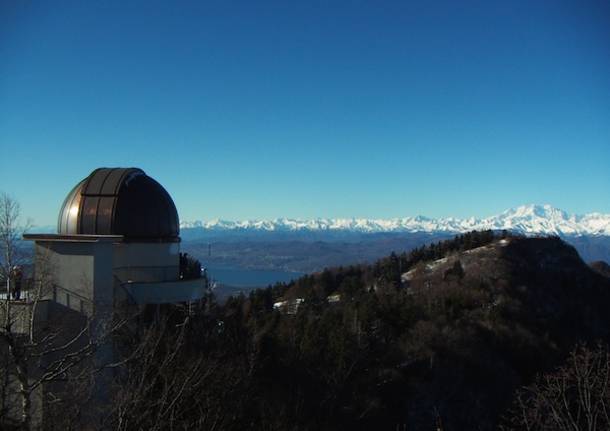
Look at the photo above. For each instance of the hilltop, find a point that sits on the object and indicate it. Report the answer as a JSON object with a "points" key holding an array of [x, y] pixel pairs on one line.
{"points": [[447, 331]]}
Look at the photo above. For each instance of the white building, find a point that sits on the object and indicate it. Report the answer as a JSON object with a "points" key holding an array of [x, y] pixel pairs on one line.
{"points": [[117, 243], [116, 251]]}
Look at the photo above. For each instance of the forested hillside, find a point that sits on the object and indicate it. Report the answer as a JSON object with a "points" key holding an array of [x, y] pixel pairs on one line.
{"points": [[441, 336]]}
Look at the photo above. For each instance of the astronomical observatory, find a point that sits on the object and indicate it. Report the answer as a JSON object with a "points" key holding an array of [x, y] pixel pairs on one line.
{"points": [[117, 243]]}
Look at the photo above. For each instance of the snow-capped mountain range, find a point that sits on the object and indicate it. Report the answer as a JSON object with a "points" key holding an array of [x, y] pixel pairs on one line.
{"points": [[527, 219]]}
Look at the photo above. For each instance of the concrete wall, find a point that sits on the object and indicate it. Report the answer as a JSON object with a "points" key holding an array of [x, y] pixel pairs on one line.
{"points": [[76, 274], [79, 275], [146, 262], [103, 278], [83, 284], [167, 292], [66, 272]]}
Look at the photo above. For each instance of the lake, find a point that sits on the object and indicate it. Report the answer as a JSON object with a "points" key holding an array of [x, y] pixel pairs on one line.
{"points": [[240, 277]]}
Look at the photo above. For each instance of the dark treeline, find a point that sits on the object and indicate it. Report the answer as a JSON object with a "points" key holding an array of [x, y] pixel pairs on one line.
{"points": [[386, 272]]}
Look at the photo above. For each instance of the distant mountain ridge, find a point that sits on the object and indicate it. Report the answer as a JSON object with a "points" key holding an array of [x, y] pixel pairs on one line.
{"points": [[526, 219]]}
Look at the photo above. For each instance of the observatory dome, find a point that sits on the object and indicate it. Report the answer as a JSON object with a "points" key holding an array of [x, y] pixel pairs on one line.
{"points": [[120, 201]]}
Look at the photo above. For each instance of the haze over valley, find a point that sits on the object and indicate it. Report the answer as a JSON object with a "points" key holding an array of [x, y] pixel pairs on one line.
{"points": [[303, 246]]}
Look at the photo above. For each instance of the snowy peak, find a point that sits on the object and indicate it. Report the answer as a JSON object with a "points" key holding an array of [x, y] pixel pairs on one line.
{"points": [[545, 219], [527, 219], [531, 212]]}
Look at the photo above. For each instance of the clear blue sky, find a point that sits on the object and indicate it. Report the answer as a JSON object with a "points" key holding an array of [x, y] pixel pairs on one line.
{"points": [[310, 109]]}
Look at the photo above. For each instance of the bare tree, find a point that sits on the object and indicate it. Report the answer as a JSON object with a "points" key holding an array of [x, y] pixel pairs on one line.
{"points": [[573, 398], [10, 234], [11, 231], [38, 357], [174, 375], [157, 389]]}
